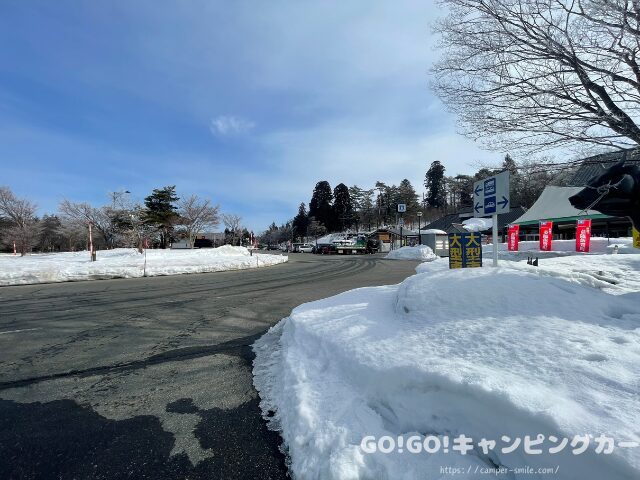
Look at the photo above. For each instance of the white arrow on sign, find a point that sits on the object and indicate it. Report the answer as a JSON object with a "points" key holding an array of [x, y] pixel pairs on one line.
{"points": [[491, 195]]}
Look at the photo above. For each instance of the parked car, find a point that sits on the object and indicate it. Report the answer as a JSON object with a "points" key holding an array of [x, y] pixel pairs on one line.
{"points": [[305, 248]]}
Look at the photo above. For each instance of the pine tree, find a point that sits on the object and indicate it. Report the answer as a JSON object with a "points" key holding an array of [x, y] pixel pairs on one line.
{"points": [[320, 204], [434, 182], [161, 212], [301, 221], [516, 187], [342, 208], [407, 195]]}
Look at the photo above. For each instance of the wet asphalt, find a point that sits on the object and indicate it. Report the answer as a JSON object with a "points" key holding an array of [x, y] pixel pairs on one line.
{"points": [[150, 378]]}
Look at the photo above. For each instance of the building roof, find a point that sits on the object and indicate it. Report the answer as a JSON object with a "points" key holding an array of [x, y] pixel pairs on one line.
{"points": [[452, 222], [553, 204], [595, 165]]}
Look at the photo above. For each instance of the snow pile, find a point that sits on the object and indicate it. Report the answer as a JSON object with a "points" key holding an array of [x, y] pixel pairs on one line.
{"points": [[598, 245], [419, 252], [615, 274], [127, 263], [486, 353], [477, 224], [330, 238]]}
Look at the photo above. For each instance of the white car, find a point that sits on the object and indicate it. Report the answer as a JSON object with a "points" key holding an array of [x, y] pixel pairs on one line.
{"points": [[305, 248]]}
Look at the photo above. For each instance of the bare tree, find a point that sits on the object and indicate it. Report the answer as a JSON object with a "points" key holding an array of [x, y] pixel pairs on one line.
{"points": [[83, 214], [22, 223], [197, 214], [232, 223], [538, 74]]}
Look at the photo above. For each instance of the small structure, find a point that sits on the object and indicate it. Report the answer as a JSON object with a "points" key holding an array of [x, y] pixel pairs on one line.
{"points": [[390, 238], [463, 221], [437, 240]]}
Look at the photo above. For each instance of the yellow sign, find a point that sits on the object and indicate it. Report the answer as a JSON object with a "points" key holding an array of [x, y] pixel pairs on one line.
{"points": [[636, 238]]}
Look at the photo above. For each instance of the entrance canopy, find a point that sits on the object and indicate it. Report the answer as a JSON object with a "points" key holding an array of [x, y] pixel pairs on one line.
{"points": [[553, 204]]}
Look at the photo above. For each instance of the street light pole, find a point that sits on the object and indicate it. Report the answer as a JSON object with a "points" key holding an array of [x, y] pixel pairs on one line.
{"points": [[90, 242], [419, 234]]}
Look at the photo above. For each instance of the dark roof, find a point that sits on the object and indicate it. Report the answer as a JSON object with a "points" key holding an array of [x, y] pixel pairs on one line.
{"points": [[595, 165], [406, 232], [507, 218], [450, 222], [443, 222]]}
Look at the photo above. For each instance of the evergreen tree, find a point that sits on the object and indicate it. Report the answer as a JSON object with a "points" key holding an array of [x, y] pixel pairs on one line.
{"points": [[407, 195], [342, 208], [517, 189], [434, 182], [367, 213], [160, 212], [320, 204], [301, 221], [462, 189]]}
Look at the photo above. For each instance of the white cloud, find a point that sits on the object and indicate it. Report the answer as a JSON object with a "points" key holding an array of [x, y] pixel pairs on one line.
{"points": [[225, 125]]}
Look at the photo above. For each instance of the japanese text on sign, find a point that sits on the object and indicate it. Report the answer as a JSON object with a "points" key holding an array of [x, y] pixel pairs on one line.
{"points": [[465, 250]]}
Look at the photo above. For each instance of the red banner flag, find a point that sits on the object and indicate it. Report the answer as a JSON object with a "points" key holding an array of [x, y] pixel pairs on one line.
{"points": [[513, 238], [546, 236], [583, 235]]}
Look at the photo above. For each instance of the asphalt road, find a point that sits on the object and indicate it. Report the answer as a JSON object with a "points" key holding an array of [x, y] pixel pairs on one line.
{"points": [[151, 377]]}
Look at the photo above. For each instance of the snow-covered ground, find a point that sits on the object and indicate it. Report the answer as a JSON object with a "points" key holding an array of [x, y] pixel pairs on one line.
{"points": [[563, 247], [515, 355], [127, 263], [419, 252]]}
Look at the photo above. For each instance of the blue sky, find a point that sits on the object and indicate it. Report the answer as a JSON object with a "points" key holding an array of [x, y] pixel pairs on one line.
{"points": [[246, 103]]}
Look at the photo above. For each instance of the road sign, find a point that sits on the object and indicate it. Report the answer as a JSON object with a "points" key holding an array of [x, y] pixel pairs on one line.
{"points": [[491, 195], [402, 207], [465, 250]]}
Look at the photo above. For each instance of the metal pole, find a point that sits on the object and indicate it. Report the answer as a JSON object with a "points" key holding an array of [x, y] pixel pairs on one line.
{"points": [[419, 234], [90, 242], [494, 233]]}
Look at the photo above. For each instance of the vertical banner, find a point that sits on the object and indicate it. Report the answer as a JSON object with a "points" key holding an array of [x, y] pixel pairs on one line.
{"points": [[513, 238], [546, 235], [465, 250], [583, 235], [636, 238]]}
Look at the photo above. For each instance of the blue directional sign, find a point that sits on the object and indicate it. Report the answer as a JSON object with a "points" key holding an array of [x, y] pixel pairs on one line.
{"points": [[489, 205], [490, 186], [491, 195]]}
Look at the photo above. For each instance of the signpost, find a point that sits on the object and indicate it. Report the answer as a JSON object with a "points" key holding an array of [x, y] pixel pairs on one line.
{"points": [[465, 250], [402, 207], [491, 197]]}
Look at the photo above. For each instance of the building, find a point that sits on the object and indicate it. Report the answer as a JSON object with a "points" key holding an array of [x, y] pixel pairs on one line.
{"points": [[390, 238], [453, 222], [553, 204]]}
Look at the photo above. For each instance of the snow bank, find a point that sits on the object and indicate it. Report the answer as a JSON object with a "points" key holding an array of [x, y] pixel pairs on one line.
{"points": [[419, 252], [598, 245], [477, 224], [483, 352], [127, 263]]}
